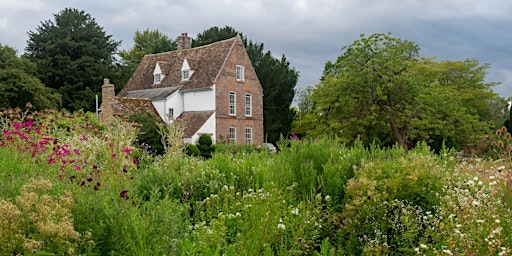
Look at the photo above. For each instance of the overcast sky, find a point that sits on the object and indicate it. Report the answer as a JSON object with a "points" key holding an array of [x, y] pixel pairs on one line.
{"points": [[308, 32]]}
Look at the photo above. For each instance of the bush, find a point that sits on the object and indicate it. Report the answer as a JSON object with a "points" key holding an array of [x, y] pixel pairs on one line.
{"points": [[205, 145], [192, 150], [148, 137]]}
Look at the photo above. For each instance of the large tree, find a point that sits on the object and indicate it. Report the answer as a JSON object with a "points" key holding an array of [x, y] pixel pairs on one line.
{"points": [[147, 42], [276, 76], [380, 89], [19, 85], [73, 54]]}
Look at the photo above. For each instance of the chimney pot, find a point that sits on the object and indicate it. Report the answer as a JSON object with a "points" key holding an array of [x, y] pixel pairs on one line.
{"points": [[184, 41]]}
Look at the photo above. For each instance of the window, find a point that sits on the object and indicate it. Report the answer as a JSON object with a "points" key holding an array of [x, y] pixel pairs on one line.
{"points": [[232, 103], [232, 134], [185, 74], [171, 113], [248, 135], [240, 73], [248, 105], [157, 78]]}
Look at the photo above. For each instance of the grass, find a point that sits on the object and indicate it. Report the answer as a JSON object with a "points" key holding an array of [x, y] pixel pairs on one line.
{"points": [[314, 197]]}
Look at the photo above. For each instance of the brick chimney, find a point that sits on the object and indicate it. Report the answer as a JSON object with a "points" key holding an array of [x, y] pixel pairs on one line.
{"points": [[184, 41], [107, 95]]}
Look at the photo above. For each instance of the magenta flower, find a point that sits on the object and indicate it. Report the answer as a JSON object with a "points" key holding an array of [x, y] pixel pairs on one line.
{"points": [[127, 150], [51, 160], [16, 126], [28, 123], [77, 167], [114, 155], [83, 138], [76, 151], [94, 166]]}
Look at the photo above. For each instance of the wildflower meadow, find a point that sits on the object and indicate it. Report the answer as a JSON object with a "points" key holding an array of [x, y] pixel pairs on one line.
{"points": [[70, 185]]}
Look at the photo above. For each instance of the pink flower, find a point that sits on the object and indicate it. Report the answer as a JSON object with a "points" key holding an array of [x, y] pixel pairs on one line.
{"points": [[16, 126], [51, 160], [28, 123], [114, 155], [76, 151], [127, 150], [83, 138], [77, 167]]}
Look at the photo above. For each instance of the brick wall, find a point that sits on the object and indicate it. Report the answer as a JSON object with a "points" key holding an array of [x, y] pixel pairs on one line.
{"points": [[226, 83]]}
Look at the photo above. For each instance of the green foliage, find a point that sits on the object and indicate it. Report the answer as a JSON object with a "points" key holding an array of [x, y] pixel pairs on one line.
{"points": [[148, 137], [73, 54], [192, 150], [20, 85], [380, 89], [276, 76], [205, 145], [313, 197]]}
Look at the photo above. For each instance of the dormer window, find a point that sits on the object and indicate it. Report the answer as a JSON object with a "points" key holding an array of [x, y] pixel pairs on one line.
{"points": [[186, 71], [158, 76], [185, 74], [240, 76]]}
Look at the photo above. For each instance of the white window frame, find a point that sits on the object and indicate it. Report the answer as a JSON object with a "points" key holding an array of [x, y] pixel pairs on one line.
{"points": [[157, 78], [232, 103], [248, 135], [248, 104], [185, 75], [240, 73], [232, 134]]}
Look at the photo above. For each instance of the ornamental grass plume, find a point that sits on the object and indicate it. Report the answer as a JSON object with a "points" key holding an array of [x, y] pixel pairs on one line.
{"points": [[39, 222]]}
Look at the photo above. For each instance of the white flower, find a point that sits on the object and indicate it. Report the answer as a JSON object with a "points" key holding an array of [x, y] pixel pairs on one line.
{"points": [[475, 178], [491, 177], [497, 221], [328, 198], [423, 246], [295, 211], [448, 252], [476, 203], [480, 221], [281, 226], [416, 249]]}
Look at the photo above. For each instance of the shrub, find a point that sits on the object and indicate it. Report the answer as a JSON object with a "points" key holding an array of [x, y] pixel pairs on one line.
{"points": [[192, 150], [205, 145], [148, 136]]}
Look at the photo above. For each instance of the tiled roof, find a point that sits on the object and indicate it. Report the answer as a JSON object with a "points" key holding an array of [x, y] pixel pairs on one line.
{"points": [[207, 62], [152, 94], [194, 121], [127, 106]]}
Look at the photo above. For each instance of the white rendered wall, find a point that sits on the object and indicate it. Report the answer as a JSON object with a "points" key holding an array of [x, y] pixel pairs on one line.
{"points": [[199, 100], [208, 127]]}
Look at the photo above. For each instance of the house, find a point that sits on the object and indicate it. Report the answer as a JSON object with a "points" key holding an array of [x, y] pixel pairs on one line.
{"points": [[213, 88]]}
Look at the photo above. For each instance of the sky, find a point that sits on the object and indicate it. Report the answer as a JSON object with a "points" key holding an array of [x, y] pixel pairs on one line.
{"points": [[308, 32]]}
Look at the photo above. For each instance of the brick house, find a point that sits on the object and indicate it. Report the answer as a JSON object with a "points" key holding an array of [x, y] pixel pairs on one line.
{"points": [[213, 88]]}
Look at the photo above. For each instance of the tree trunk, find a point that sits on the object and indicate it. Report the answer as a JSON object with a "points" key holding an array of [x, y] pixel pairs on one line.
{"points": [[396, 133]]}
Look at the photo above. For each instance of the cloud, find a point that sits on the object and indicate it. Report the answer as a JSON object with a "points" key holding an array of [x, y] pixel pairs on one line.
{"points": [[308, 32]]}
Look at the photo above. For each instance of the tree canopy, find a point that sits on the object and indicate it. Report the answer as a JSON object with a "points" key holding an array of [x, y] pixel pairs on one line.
{"points": [[73, 54], [147, 42], [276, 76], [380, 89], [19, 85]]}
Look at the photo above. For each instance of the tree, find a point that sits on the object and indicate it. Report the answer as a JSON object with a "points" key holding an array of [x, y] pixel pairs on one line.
{"points": [[73, 54], [147, 42], [19, 85], [276, 76], [381, 90]]}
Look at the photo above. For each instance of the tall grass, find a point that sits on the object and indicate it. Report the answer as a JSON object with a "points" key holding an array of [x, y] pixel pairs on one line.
{"points": [[314, 197]]}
